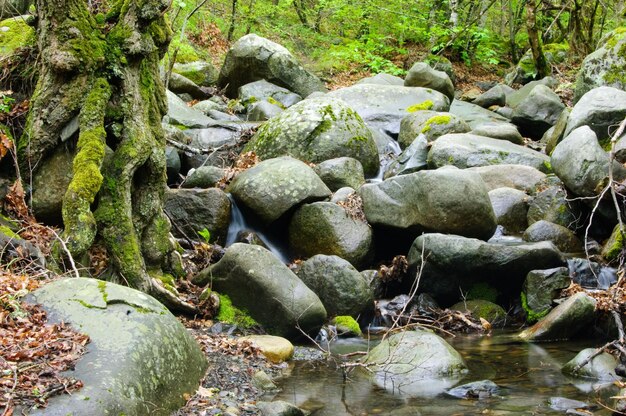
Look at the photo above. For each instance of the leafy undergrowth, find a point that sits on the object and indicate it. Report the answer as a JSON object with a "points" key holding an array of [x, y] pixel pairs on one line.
{"points": [[33, 353]]}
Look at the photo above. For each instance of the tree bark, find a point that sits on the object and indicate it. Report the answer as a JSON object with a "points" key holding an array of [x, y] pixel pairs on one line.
{"points": [[106, 73], [541, 64]]}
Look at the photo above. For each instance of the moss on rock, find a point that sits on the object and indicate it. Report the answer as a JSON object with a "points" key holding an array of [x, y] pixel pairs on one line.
{"points": [[230, 314], [426, 105], [347, 324], [15, 33]]}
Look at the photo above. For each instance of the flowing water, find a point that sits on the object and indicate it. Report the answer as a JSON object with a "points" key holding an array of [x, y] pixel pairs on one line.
{"points": [[528, 373]]}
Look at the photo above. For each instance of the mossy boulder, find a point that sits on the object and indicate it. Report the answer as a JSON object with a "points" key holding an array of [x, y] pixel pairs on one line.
{"points": [[493, 96], [444, 200], [536, 113], [253, 58], [552, 203], [604, 66], [275, 186], [465, 150], [340, 287], [180, 84], [15, 33], [563, 238], [520, 177], [540, 289], [500, 131], [315, 130], [423, 75], [140, 359], [479, 308], [422, 362], [475, 115], [383, 106], [326, 228], [266, 91], [614, 246], [200, 72], [203, 177], [511, 209], [258, 282], [178, 113], [341, 172], [431, 124], [347, 326], [450, 262]]}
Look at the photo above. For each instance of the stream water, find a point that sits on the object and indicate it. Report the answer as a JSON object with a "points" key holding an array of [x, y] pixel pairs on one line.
{"points": [[528, 373]]}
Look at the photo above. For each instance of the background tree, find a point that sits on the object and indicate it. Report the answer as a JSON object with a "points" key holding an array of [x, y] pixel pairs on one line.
{"points": [[101, 64]]}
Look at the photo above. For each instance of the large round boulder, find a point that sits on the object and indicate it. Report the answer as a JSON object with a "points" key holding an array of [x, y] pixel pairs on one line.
{"points": [[537, 112], [340, 173], [202, 73], [275, 186], [601, 109], [600, 367], [563, 238], [511, 209], [421, 362], [423, 75], [326, 228], [340, 287], [315, 130], [258, 282], [266, 91], [520, 177], [253, 58], [431, 124], [140, 359]]}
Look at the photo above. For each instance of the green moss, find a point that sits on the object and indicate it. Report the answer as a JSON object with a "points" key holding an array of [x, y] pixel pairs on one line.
{"points": [[531, 315], [347, 324], [8, 232], [102, 287], [426, 105], [548, 166], [15, 34], [482, 291], [186, 52], [273, 101], [438, 119], [231, 314], [614, 246]]}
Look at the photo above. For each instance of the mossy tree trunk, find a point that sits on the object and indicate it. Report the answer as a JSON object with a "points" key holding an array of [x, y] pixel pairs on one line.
{"points": [[541, 64], [103, 69]]}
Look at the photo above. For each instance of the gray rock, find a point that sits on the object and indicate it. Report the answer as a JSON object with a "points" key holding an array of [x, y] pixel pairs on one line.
{"points": [[493, 96], [499, 130], [412, 159], [431, 124], [513, 99], [342, 194], [210, 138], [265, 91], [444, 200], [140, 361], [340, 287], [521, 177], [179, 84], [466, 150], [253, 58], [257, 281], [203, 177], [480, 308], [601, 109], [536, 113], [555, 134], [341, 172], [421, 362], [563, 238], [172, 162], [582, 164], [209, 105], [475, 115], [604, 66], [179, 113], [382, 79], [511, 209], [279, 408], [601, 367], [202, 73], [422, 75], [262, 381], [262, 110], [476, 390], [222, 116], [326, 228], [552, 204], [541, 287], [564, 404], [16, 248], [455, 262], [193, 210], [275, 186], [50, 182], [564, 321], [383, 106], [590, 274], [315, 130]]}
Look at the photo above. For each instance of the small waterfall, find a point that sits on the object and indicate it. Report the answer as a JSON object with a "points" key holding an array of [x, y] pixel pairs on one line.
{"points": [[238, 223], [392, 150]]}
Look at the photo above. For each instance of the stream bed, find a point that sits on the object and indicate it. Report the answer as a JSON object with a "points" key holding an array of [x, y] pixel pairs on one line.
{"points": [[529, 374]]}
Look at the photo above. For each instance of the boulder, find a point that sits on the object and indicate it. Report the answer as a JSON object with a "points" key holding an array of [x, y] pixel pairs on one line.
{"points": [[383, 106], [206, 106], [275, 186], [539, 111], [540, 288], [480, 308], [340, 287], [179, 113], [604, 66], [466, 150], [50, 182], [262, 111], [513, 99], [563, 238], [564, 321], [553, 204], [455, 262], [421, 362], [326, 228], [15, 33], [140, 359], [315, 130], [555, 134], [582, 164], [211, 138], [276, 349], [382, 79], [476, 389], [444, 200], [431, 124], [601, 109], [202, 73], [423, 75], [521, 177], [265, 91], [279, 408], [172, 164], [591, 275], [193, 210], [341, 172], [498, 130], [179, 84], [475, 115], [494, 96], [253, 58], [601, 367], [258, 282], [511, 209], [203, 177]]}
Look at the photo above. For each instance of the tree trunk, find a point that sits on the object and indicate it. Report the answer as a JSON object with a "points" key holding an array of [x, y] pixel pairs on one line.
{"points": [[233, 20], [541, 64], [454, 13], [107, 75]]}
